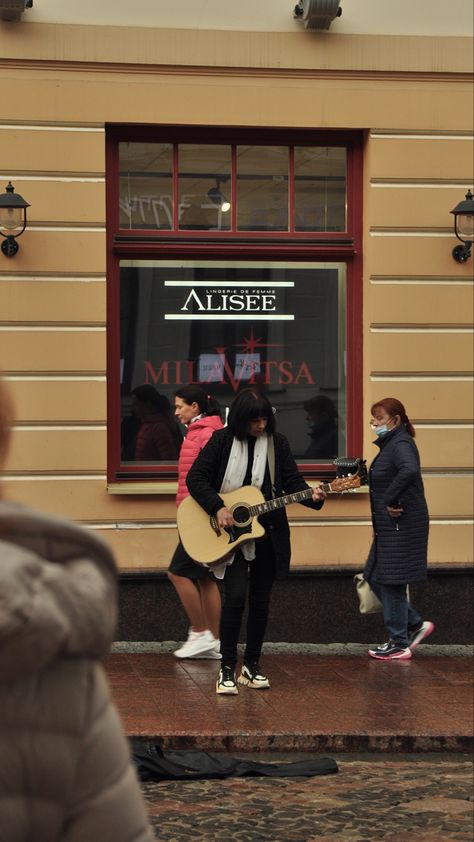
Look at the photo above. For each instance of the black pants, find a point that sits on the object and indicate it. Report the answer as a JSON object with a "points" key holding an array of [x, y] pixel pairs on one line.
{"points": [[256, 577]]}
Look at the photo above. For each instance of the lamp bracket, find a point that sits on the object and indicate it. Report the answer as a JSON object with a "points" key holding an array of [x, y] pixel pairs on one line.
{"points": [[9, 246]]}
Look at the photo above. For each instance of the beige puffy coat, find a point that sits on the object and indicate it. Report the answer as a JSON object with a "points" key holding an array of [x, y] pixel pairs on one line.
{"points": [[65, 771]]}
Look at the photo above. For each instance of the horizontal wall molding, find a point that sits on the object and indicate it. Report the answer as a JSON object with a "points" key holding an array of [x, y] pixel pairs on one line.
{"points": [[412, 232], [67, 178], [59, 324], [415, 280], [428, 183], [44, 427], [72, 228], [11, 327], [39, 277], [47, 476], [153, 69], [95, 376], [422, 376], [52, 126], [421, 328], [420, 134]]}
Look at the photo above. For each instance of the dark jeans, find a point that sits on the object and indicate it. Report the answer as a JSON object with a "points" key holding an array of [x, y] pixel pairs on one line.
{"points": [[399, 616], [257, 578]]}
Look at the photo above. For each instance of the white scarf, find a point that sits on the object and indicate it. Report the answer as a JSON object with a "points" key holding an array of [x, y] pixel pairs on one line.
{"points": [[234, 478]]}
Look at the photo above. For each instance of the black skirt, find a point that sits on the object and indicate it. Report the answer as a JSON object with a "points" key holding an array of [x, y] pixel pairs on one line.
{"points": [[183, 565]]}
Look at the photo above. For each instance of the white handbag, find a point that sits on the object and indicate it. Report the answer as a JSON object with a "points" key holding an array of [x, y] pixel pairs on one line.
{"points": [[369, 603]]}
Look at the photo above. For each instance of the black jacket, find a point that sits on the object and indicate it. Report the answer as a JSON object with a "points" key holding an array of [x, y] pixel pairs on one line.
{"points": [[207, 473], [397, 556]]}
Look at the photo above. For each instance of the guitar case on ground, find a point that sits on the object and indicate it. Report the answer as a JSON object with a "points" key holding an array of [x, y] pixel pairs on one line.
{"points": [[155, 764]]}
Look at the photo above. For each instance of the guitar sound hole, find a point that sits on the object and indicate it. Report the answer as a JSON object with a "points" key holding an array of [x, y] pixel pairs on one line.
{"points": [[240, 514]]}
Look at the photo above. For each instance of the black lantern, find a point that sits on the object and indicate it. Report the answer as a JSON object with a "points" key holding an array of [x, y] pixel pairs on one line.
{"points": [[12, 219], [464, 228]]}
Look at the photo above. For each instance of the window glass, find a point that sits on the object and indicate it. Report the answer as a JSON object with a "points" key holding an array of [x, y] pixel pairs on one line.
{"points": [[204, 187], [279, 327], [320, 188], [145, 185], [262, 188]]}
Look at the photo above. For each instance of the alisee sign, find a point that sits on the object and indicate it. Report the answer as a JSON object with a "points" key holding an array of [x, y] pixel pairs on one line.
{"points": [[204, 300]]}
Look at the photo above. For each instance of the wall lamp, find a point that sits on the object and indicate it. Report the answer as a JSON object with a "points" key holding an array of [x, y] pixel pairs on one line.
{"points": [[12, 219], [464, 228], [13, 9], [216, 196]]}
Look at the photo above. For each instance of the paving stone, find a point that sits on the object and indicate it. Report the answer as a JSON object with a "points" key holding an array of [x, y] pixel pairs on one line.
{"points": [[393, 800]]}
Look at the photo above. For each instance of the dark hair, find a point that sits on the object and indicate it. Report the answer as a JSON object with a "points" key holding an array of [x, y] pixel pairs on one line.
{"points": [[393, 407], [321, 404], [196, 394], [247, 406], [148, 394]]}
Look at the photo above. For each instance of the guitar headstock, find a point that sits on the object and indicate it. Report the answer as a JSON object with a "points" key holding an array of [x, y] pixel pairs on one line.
{"points": [[351, 473], [341, 484]]}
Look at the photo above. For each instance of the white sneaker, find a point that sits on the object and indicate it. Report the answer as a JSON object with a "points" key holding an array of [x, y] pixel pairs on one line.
{"points": [[214, 653], [196, 644]]}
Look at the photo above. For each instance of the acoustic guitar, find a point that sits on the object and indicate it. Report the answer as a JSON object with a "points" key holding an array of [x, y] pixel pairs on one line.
{"points": [[207, 543]]}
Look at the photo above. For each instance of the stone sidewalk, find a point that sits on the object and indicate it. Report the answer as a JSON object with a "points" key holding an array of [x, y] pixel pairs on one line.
{"points": [[319, 701]]}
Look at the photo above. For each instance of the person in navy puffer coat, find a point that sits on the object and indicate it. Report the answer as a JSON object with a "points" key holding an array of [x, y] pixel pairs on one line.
{"points": [[195, 584], [398, 555]]}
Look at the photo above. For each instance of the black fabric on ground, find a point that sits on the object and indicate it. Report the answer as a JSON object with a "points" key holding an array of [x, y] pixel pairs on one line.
{"points": [[154, 764]]}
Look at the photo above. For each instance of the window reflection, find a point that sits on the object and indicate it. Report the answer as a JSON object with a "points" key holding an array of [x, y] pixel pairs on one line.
{"points": [[320, 188], [279, 327], [146, 186], [262, 188], [204, 187]]}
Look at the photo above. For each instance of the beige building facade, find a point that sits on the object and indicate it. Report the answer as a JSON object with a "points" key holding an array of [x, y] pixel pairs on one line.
{"points": [[402, 82]]}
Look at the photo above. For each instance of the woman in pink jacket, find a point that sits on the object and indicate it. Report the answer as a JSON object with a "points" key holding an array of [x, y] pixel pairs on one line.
{"points": [[194, 583]]}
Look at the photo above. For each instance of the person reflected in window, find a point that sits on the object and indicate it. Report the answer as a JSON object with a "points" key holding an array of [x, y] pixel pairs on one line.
{"points": [[321, 414], [158, 438], [128, 437]]}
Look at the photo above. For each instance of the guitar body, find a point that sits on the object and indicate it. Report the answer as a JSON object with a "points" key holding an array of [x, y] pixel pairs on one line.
{"points": [[202, 539], [207, 544]]}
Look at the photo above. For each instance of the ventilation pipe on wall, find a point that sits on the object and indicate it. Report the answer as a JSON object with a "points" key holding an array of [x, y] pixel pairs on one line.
{"points": [[317, 14]]}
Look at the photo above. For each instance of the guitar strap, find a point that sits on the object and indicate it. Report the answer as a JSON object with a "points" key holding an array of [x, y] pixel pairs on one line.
{"points": [[271, 462]]}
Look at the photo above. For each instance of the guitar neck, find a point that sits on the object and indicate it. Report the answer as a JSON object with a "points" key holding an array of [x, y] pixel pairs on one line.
{"points": [[286, 500]]}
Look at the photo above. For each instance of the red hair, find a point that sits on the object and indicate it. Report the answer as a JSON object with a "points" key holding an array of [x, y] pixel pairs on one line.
{"points": [[392, 407]]}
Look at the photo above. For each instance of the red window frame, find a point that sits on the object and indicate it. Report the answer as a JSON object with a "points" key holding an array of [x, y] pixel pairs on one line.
{"points": [[234, 245]]}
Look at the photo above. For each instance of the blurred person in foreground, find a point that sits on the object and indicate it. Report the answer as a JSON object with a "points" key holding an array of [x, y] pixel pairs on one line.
{"points": [[398, 555], [65, 769]]}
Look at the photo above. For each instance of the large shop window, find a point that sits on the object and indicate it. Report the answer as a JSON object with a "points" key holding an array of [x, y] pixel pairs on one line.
{"points": [[231, 265]]}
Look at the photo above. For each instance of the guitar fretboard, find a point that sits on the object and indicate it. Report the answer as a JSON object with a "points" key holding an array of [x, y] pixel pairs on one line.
{"points": [[279, 502]]}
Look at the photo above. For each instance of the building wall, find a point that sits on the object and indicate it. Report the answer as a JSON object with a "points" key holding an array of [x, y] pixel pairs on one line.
{"points": [[411, 96]]}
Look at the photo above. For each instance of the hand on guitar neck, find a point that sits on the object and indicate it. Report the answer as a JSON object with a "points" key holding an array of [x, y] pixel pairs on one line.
{"points": [[225, 518]]}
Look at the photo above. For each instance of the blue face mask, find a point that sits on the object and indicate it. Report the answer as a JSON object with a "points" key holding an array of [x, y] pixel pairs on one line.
{"points": [[381, 431]]}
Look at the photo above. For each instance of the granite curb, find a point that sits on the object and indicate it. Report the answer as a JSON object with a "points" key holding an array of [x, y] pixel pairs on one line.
{"points": [[333, 649]]}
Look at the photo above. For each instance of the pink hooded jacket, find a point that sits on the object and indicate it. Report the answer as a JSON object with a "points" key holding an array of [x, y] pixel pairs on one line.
{"points": [[199, 433]]}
